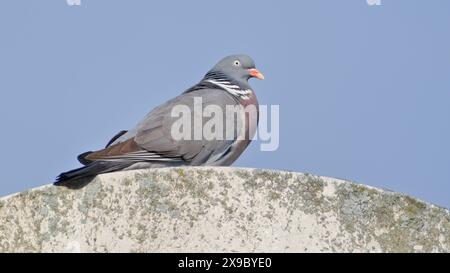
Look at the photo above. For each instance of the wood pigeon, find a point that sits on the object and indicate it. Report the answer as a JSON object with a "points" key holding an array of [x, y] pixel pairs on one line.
{"points": [[151, 144]]}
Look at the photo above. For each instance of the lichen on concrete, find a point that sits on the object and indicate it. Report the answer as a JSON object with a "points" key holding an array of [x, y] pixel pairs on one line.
{"points": [[219, 210]]}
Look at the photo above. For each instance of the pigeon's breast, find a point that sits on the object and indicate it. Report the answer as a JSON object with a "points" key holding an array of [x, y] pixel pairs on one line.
{"points": [[252, 102], [251, 116]]}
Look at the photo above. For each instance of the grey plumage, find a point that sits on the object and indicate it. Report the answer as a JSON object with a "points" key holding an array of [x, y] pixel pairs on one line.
{"points": [[150, 144]]}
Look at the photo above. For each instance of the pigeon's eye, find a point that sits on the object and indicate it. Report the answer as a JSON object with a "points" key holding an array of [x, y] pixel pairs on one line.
{"points": [[237, 63]]}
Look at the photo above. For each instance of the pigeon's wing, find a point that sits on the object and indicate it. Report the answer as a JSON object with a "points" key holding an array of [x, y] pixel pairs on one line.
{"points": [[154, 133], [152, 140], [114, 138]]}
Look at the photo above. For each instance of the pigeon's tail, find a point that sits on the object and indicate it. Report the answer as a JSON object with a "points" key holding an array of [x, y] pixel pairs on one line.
{"points": [[94, 168], [82, 158]]}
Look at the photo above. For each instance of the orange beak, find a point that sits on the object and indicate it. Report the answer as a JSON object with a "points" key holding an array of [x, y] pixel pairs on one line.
{"points": [[256, 74]]}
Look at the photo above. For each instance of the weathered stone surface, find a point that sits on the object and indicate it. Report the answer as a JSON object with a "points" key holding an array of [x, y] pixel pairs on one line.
{"points": [[219, 209]]}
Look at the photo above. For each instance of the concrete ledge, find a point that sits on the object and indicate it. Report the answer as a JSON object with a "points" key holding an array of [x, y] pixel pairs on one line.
{"points": [[219, 210]]}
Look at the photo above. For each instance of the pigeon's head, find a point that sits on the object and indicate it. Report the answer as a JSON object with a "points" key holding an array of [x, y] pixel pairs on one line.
{"points": [[238, 68]]}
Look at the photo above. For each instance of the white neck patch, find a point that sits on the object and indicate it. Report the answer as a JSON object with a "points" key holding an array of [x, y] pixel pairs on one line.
{"points": [[232, 89]]}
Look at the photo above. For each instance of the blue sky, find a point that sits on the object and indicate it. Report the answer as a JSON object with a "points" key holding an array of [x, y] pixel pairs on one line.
{"points": [[364, 91]]}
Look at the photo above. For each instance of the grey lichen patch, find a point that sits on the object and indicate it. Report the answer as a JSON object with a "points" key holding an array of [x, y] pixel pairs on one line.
{"points": [[299, 192], [398, 223], [219, 209], [414, 207], [311, 189]]}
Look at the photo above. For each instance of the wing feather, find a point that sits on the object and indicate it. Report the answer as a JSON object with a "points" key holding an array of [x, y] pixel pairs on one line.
{"points": [[151, 139]]}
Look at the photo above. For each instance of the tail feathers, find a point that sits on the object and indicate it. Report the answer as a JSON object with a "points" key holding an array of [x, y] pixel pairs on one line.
{"points": [[119, 134], [82, 158], [94, 168]]}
